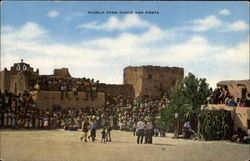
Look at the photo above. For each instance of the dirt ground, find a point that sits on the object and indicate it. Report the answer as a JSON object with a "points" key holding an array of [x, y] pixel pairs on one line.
{"points": [[60, 145]]}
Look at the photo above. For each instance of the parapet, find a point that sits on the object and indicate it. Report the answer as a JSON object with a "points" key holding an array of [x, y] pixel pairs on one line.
{"points": [[63, 72]]}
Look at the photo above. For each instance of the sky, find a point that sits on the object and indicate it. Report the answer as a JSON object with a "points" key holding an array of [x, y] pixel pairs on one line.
{"points": [[99, 39]]}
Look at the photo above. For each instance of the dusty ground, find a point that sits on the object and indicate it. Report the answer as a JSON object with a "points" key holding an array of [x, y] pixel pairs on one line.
{"points": [[59, 145]]}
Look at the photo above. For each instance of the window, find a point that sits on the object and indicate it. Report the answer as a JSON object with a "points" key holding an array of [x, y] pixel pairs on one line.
{"points": [[248, 124], [24, 67], [149, 76], [243, 93], [18, 67]]}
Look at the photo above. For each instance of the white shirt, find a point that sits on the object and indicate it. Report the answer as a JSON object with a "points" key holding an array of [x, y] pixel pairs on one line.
{"points": [[187, 125], [140, 125]]}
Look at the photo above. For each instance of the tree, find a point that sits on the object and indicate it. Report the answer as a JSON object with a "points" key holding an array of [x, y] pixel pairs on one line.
{"points": [[186, 100]]}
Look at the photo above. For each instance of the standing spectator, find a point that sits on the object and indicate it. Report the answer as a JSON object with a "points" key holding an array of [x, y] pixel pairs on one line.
{"points": [[93, 86], [140, 130], [176, 116], [134, 128], [149, 132], [88, 88]]}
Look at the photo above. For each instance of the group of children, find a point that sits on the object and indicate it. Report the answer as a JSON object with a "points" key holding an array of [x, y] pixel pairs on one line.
{"points": [[105, 133]]}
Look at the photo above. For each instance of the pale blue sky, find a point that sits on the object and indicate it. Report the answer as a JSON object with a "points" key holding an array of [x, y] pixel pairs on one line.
{"points": [[209, 39]]}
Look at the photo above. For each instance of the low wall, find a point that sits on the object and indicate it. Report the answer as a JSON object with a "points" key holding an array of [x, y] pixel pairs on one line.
{"points": [[118, 89], [51, 99], [240, 115]]}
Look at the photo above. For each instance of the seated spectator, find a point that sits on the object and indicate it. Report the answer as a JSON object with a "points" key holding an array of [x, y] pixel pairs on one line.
{"points": [[187, 131]]}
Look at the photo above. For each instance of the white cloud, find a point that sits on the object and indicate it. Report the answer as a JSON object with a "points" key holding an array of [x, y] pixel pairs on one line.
{"points": [[29, 30], [73, 15], [53, 13], [95, 58], [238, 54], [113, 23], [237, 26], [195, 49], [6, 29], [224, 12], [208, 23]]}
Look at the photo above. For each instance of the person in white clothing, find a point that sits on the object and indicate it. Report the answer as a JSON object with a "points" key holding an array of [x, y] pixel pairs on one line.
{"points": [[140, 130]]}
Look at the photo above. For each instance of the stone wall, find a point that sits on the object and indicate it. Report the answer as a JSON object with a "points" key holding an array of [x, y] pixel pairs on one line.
{"points": [[115, 89], [238, 89], [151, 81], [240, 115], [52, 99]]}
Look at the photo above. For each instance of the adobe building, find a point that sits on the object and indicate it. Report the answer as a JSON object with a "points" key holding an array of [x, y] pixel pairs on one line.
{"points": [[150, 81], [21, 77], [144, 81], [239, 89], [14, 80]]}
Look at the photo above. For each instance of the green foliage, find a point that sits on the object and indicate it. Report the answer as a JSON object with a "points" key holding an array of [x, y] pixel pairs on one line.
{"points": [[215, 124], [186, 99]]}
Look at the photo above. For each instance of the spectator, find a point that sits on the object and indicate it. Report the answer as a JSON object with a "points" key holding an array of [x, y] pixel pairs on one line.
{"points": [[140, 130]]}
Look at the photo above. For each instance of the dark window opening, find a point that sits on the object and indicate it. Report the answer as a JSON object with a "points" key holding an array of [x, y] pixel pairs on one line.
{"points": [[56, 108], [150, 76], [248, 124], [244, 93]]}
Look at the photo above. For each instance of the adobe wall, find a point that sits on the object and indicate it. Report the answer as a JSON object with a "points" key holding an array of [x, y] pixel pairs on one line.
{"points": [[5, 79], [156, 79], [126, 90], [133, 76], [19, 82], [152, 81], [2, 81], [235, 87], [64, 72], [6, 75], [241, 115], [46, 100]]}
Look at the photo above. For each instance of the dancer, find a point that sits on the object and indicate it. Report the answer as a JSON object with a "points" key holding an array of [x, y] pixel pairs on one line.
{"points": [[92, 130], [85, 129], [103, 135], [108, 138]]}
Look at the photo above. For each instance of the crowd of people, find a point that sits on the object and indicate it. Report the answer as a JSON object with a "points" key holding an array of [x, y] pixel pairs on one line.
{"points": [[90, 86], [20, 111], [222, 96], [138, 116]]}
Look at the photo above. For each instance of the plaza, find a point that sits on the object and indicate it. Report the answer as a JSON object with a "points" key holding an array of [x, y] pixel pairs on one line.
{"points": [[60, 145]]}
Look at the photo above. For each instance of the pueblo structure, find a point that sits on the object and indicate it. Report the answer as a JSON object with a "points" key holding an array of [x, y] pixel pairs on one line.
{"points": [[143, 81], [150, 81], [138, 82], [238, 89]]}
